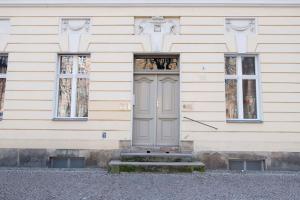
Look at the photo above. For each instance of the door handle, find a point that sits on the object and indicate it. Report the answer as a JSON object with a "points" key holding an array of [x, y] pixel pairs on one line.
{"points": [[157, 104]]}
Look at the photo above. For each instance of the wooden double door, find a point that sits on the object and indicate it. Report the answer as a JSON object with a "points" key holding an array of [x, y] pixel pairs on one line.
{"points": [[156, 110]]}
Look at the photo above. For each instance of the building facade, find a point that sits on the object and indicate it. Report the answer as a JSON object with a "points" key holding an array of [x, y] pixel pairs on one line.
{"points": [[88, 80]]}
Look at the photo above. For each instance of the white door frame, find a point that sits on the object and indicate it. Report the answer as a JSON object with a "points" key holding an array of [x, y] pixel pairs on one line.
{"points": [[166, 73]]}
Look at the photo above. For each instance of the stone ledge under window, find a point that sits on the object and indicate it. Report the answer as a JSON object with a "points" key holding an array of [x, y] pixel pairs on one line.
{"points": [[70, 119], [256, 121]]}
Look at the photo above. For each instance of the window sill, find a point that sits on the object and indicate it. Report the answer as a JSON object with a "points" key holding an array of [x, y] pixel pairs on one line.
{"points": [[255, 121], [70, 119]]}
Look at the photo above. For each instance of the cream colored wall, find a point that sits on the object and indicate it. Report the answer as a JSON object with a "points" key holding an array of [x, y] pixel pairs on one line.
{"points": [[202, 62], [34, 43]]}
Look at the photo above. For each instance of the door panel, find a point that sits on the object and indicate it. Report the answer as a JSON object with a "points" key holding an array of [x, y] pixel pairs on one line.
{"points": [[167, 110], [144, 120], [156, 110]]}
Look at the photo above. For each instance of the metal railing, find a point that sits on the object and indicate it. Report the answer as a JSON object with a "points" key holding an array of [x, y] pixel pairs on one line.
{"points": [[201, 123]]}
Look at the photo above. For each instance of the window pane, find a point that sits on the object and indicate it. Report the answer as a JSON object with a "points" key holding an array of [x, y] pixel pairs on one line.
{"points": [[82, 97], [64, 97], [248, 65], [156, 63], [231, 99], [83, 64], [249, 98], [2, 92], [3, 64], [230, 65], [166, 63], [66, 64], [144, 65]]}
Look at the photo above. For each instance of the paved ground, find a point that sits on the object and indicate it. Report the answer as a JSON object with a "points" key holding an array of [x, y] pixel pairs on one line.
{"points": [[96, 184]]}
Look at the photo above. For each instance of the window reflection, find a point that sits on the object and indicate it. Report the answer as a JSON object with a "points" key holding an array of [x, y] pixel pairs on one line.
{"points": [[249, 96], [3, 70], [66, 64], [64, 97], [2, 92], [3, 64], [84, 64], [240, 89], [82, 97], [73, 86], [230, 65], [231, 99], [248, 65], [156, 63]]}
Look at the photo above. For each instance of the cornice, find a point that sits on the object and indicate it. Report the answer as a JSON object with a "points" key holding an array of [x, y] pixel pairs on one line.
{"points": [[152, 3]]}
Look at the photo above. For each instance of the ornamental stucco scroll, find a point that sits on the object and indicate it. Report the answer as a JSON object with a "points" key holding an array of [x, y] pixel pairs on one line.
{"points": [[4, 33], [156, 28], [241, 29], [74, 30]]}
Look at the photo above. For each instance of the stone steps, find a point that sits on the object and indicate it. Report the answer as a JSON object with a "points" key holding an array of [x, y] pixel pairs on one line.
{"points": [[117, 166], [152, 149], [155, 162], [157, 157]]}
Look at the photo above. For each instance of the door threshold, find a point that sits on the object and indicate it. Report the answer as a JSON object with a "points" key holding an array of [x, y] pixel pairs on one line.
{"points": [[150, 149]]}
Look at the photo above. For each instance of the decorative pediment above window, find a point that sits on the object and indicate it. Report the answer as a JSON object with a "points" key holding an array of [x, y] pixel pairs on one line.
{"points": [[241, 29], [242, 25], [156, 28], [4, 33], [74, 31]]}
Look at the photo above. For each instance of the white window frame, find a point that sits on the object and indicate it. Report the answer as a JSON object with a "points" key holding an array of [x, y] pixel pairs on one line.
{"points": [[240, 77], [74, 76]]}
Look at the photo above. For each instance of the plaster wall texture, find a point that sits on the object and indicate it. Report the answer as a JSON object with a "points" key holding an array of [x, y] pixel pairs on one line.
{"points": [[35, 41]]}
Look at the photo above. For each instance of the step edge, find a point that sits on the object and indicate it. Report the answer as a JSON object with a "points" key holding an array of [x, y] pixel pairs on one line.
{"points": [[157, 154], [118, 162]]}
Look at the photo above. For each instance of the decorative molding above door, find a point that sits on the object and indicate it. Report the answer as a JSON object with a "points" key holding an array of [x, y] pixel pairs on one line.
{"points": [[156, 28]]}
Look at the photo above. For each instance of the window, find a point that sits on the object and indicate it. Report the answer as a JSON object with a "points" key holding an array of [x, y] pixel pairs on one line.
{"points": [[241, 87], [73, 86], [67, 162], [168, 63], [3, 70], [250, 165]]}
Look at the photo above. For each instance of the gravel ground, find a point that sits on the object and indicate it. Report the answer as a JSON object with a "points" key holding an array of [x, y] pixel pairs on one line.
{"points": [[96, 184]]}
